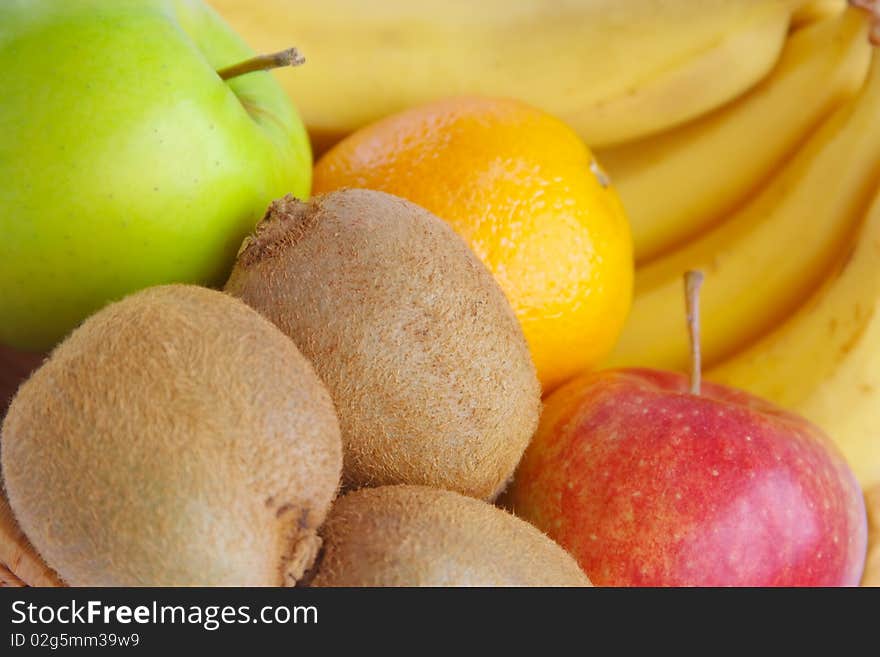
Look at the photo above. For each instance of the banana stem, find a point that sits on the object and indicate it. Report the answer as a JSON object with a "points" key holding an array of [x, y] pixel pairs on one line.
{"points": [[289, 57], [692, 282]]}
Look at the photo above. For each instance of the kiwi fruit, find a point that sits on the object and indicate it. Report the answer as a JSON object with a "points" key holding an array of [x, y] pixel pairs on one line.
{"points": [[423, 356], [175, 438], [418, 536]]}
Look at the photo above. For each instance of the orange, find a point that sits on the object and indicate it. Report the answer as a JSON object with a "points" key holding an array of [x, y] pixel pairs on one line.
{"points": [[525, 192]]}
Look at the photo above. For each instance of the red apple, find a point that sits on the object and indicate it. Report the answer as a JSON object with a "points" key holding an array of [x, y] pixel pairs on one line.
{"points": [[647, 484]]}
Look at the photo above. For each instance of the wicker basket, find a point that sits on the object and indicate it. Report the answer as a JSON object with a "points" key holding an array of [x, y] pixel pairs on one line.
{"points": [[20, 565], [8, 579], [872, 565]]}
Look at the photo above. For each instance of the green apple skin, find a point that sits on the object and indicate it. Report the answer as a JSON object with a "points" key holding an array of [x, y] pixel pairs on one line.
{"points": [[125, 160]]}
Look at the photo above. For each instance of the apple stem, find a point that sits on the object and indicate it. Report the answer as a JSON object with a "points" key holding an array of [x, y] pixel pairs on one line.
{"points": [[692, 282], [289, 57]]}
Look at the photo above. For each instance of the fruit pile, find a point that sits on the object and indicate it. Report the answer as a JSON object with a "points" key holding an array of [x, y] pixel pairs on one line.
{"points": [[602, 312]]}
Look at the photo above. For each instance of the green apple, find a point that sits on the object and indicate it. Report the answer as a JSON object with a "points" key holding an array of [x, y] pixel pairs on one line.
{"points": [[125, 159]]}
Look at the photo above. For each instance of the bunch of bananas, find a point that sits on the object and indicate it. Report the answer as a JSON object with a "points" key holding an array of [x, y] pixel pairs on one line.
{"points": [[775, 197], [743, 138], [614, 70]]}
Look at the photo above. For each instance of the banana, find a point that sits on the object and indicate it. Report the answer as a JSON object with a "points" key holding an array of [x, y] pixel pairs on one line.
{"points": [[823, 362], [764, 260], [676, 184], [613, 70], [815, 11]]}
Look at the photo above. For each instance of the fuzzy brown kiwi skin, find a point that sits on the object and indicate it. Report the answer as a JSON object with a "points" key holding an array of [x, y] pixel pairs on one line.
{"points": [[420, 536], [176, 438], [426, 362]]}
